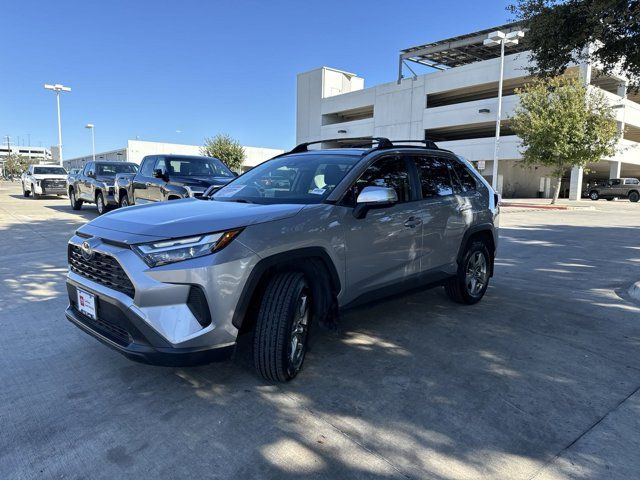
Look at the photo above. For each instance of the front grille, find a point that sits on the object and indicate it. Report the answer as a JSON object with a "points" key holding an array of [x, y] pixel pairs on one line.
{"points": [[54, 183], [102, 269]]}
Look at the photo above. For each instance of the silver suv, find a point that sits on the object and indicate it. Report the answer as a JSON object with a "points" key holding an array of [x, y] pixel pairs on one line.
{"points": [[280, 248]]}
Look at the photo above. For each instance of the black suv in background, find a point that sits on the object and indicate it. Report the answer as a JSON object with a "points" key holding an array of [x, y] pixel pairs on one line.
{"points": [[170, 177], [96, 184]]}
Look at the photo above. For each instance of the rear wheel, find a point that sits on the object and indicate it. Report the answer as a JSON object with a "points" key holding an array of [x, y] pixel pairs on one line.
{"points": [[282, 327], [124, 201], [471, 282], [594, 195], [634, 197], [75, 203], [100, 203]]}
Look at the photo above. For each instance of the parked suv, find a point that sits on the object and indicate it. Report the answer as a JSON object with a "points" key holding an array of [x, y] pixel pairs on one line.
{"points": [[44, 180], [96, 184], [177, 283], [616, 188], [171, 177]]}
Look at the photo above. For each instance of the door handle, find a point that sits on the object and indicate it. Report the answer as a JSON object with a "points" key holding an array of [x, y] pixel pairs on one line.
{"points": [[464, 208], [412, 222]]}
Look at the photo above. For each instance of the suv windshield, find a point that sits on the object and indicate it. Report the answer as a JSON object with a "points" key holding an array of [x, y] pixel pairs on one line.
{"points": [[304, 178], [113, 168], [49, 171], [203, 167]]}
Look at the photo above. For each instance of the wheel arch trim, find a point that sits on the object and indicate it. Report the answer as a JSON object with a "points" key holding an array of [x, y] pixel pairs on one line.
{"points": [[280, 259]]}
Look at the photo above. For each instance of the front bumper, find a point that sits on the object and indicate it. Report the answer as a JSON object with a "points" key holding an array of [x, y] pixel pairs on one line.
{"points": [[120, 329], [153, 321]]}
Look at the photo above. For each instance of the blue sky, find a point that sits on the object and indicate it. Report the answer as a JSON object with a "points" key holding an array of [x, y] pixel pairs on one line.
{"points": [[182, 70]]}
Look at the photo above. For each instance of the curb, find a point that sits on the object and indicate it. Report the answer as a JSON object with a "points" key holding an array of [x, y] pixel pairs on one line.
{"points": [[634, 291], [538, 206]]}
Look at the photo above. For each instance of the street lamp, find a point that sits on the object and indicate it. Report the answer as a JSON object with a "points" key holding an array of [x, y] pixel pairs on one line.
{"points": [[502, 39], [58, 88], [91, 127]]}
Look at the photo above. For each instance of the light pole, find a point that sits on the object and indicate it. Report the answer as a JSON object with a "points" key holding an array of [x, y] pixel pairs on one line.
{"points": [[502, 39], [91, 127], [58, 88]]}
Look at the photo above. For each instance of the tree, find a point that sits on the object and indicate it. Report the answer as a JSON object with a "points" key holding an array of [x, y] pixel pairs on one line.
{"points": [[226, 149], [563, 124], [16, 164], [561, 32]]}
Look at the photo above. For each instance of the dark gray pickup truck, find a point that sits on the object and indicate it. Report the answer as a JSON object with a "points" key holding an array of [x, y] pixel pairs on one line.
{"points": [[171, 177], [96, 184], [616, 188]]}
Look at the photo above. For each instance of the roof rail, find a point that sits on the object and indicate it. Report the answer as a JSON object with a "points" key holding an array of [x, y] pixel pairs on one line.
{"points": [[381, 141], [427, 143]]}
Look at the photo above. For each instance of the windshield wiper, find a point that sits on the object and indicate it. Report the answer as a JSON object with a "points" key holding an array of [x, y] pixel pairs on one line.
{"points": [[240, 200]]}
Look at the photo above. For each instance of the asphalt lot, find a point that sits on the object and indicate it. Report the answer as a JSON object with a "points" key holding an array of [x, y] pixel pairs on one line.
{"points": [[540, 380]]}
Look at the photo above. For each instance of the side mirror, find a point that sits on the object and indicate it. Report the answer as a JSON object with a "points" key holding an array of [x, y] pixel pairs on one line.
{"points": [[211, 190], [374, 197], [158, 173], [91, 175]]}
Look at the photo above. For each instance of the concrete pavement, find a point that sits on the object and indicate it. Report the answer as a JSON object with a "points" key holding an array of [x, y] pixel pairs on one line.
{"points": [[540, 380]]}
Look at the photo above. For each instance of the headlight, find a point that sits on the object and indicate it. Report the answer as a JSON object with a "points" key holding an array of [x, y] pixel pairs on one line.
{"points": [[176, 250]]}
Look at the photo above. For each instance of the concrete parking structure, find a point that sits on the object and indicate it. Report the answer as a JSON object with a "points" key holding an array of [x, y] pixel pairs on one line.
{"points": [[541, 380]]}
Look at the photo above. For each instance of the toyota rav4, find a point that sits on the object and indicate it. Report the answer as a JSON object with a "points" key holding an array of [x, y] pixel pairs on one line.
{"points": [[280, 248]]}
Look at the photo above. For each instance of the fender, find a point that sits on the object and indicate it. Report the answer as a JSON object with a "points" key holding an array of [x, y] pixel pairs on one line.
{"points": [[483, 227], [275, 261]]}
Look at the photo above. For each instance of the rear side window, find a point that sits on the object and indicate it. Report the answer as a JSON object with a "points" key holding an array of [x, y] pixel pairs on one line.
{"points": [[390, 172], [631, 181], [464, 176], [435, 179]]}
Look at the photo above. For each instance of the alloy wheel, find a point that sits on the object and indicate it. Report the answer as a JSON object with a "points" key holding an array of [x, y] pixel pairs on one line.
{"points": [[476, 273], [299, 330]]}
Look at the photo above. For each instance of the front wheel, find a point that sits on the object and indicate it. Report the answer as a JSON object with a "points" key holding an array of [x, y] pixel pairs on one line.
{"points": [[124, 201], [100, 203], [594, 196], [75, 203], [634, 197], [471, 282], [282, 327], [33, 191], [25, 193]]}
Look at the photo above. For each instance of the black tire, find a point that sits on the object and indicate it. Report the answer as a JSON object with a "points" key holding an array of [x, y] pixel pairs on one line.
{"points": [[25, 193], [634, 197], [283, 302], [124, 201], [100, 205], [459, 288], [75, 203], [33, 192], [594, 195]]}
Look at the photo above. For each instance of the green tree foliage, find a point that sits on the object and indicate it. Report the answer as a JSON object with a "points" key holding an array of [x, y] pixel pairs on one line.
{"points": [[16, 164], [563, 124], [560, 32], [226, 149]]}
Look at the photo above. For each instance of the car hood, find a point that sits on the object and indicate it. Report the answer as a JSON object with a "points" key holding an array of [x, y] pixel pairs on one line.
{"points": [[203, 182], [43, 176], [182, 218]]}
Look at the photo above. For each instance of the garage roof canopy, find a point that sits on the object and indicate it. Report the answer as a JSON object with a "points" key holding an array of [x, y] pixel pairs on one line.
{"points": [[461, 50]]}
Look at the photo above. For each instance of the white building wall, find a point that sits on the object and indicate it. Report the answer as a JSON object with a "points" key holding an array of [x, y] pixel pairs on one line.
{"points": [[401, 111], [136, 150]]}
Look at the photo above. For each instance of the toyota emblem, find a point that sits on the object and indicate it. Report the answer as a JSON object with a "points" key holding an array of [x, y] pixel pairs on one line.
{"points": [[87, 251]]}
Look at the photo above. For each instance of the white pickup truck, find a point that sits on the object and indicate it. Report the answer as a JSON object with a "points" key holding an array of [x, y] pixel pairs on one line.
{"points": [[44, 180]]}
